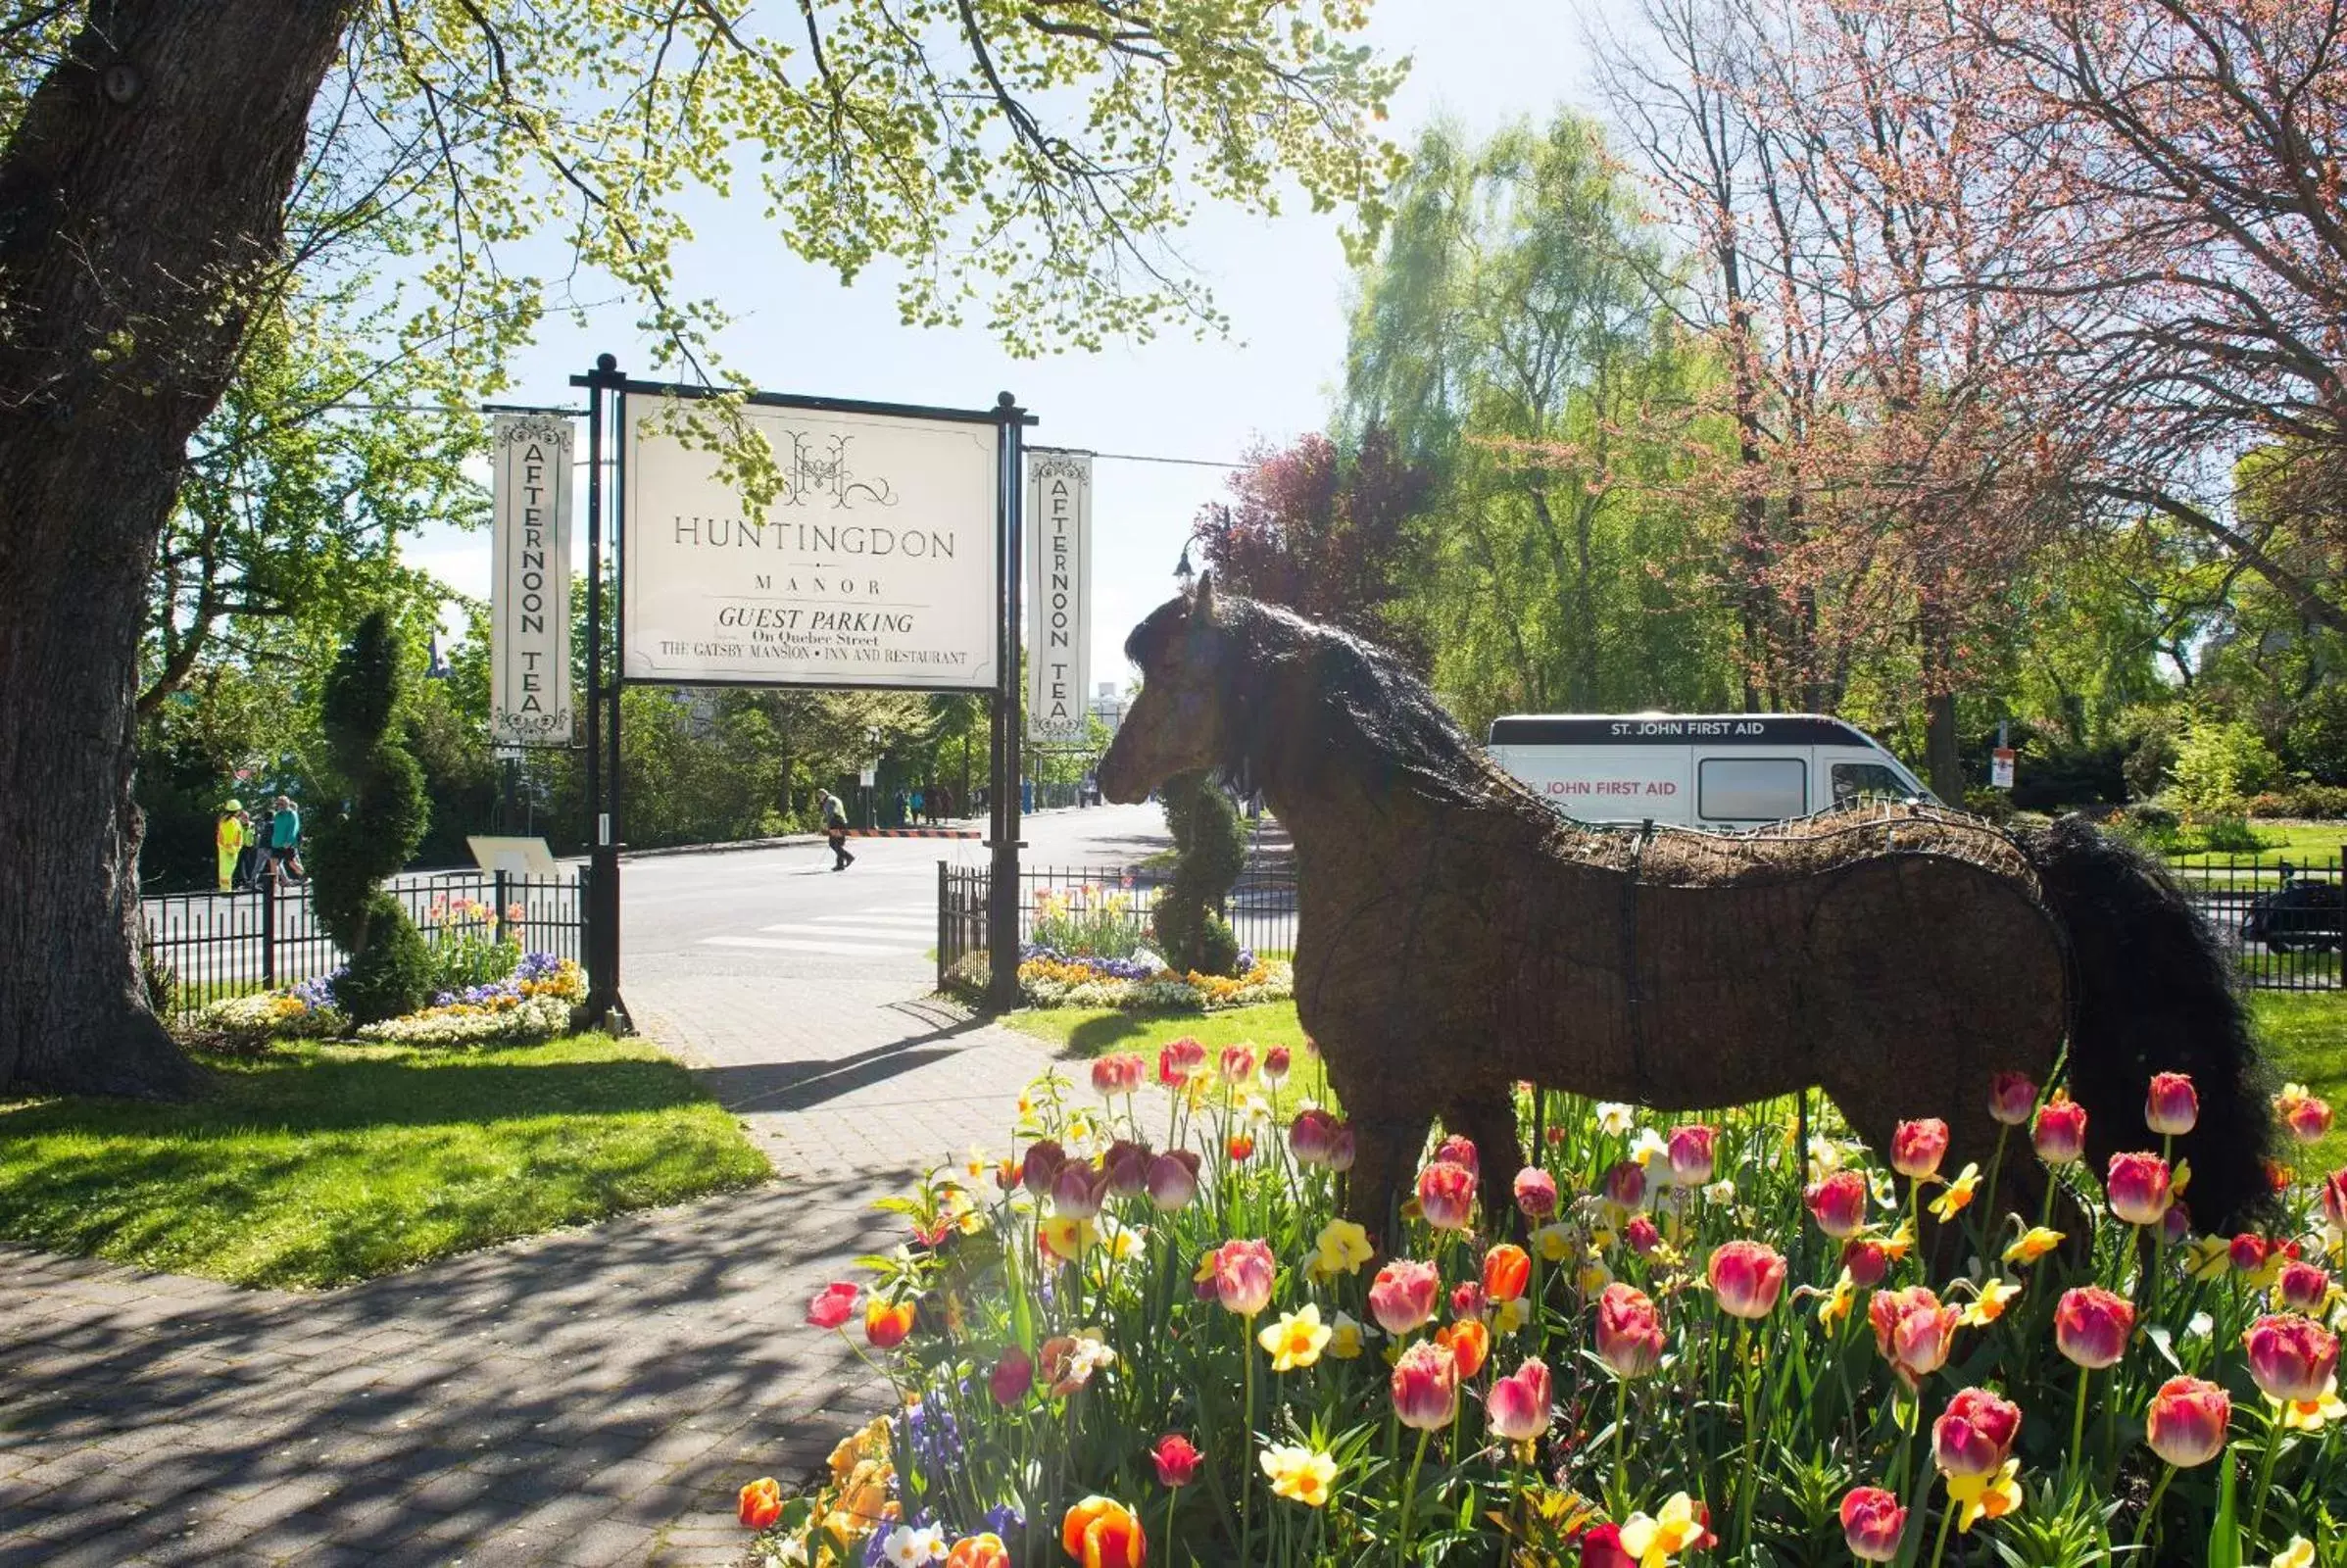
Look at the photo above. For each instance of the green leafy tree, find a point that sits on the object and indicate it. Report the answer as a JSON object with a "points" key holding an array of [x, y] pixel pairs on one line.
{"points": [[1210, 852], [1026, 165], [370, 833]]}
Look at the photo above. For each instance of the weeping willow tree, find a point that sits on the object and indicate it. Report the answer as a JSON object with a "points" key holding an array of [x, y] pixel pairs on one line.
{"points": [[1508, 334]]}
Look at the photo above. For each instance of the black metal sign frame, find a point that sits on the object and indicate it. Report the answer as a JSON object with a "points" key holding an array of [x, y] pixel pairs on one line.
{"points": [[608, 392]]}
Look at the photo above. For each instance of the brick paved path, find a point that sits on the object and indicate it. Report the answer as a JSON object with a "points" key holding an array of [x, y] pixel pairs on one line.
{"points": [[590, 1396]]}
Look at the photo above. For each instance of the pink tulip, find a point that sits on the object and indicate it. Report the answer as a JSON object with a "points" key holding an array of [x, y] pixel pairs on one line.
{"points": [[1467, 1300], [2302, 1287], [2176, 1223], [1178, 1459], [1913, 1331], [1746, 1277], [1426, 1387], [1011, 1377], [1838, 1204], [1180, 1060], [2335, 1201], [1276, 1061], [1403, 1295], [1460, 1150], [2291, 1358], [2139, 1187], [2171, 1107], [2185, 1424], [1867, 1261], [1238, 1063], [1311, 1137], [1040, 1167], [1118, 1074], [1536, 1193], [1625, 1184], [1918, 1147], [1077, 1191], [2061, 1133], [1975, 1436], [1447, 1196], [2091, 1325], [1641, 1235], [1871, 1523], [1520, 1405], [1243, 1275], [1630, 1336], [1127, 1164], [1340, 1151], [2011, 1097], [1691, 1154], [1173, 1179], [2247, 1251], [2307, 1118], [832, 1306]]}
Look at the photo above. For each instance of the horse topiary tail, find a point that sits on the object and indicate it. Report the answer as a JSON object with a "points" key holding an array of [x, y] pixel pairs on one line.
{"points": [[2154, 992]]}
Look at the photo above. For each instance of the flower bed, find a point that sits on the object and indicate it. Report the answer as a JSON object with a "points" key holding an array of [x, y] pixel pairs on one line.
{"points": [[244, 1024], [532, 1004], [1702, 1344], [1049, 978]]}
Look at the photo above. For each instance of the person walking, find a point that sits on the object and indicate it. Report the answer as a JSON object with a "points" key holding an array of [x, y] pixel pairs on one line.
{"points": [[285, 841], [920, 805], [228, 841], [835, 827]]}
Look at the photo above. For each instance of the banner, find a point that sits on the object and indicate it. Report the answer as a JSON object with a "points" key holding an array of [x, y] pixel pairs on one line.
{"points": [[530, 592], [874, 567], [1058, 595]]}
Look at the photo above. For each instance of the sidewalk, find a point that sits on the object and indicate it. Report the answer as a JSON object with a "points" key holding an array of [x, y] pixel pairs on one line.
{"points": [[586, 1397]]}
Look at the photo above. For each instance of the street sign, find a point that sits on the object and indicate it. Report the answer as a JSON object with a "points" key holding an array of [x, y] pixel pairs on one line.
{"points": [[869, 778], [2000, 769]]}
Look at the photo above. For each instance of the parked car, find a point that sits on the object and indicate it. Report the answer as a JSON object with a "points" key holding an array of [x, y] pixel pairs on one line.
{"points": [[2304, 914]]}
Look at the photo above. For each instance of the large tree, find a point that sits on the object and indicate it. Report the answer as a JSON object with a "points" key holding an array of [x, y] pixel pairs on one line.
{"points": [[1026, 162]]}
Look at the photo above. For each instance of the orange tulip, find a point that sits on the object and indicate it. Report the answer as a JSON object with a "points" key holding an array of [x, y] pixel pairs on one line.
{"points": [[1100, 1532], [887, 1323], [984, 1551], [760, 1504], [1469, 1343], [1507, 1271]]}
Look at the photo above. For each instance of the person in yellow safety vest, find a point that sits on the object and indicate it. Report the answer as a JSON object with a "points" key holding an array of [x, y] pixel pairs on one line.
{"points": [[227, 839]]}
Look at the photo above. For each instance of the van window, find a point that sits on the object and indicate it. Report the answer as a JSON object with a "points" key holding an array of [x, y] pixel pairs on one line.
{"points": [[1753, 788], [1866, 781]]}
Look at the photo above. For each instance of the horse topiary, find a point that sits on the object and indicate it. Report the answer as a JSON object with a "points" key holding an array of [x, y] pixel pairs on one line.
{"points": [[1457, 936]]}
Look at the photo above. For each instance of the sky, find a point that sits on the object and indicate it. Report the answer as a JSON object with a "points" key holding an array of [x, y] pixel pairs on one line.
{"points": [[1283, 282]]}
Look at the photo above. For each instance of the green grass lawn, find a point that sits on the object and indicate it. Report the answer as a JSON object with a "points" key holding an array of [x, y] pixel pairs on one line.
{"points": [[2297, 842], [317, 1164], [2306, 1033]]}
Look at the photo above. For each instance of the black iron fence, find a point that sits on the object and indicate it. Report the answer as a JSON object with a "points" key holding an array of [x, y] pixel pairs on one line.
{"points": [[1106, 911], [216, 944], [2282, 917]]}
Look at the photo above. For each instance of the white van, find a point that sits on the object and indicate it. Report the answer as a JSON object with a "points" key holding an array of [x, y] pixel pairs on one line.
{"points": [[1718, 770]]}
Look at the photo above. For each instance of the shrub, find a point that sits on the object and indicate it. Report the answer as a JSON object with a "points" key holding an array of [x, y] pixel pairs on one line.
{"points": [[373, 834], [1211, 850], [2220, 760], [2318, 803], [1993, 804]]}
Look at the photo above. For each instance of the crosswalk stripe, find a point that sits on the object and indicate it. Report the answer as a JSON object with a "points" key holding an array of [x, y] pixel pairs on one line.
{"points": [[829, 928], [845, 949], [908, 911]]}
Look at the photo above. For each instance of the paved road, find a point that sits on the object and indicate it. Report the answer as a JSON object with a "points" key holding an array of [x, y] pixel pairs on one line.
{"points": [[591, 1396]]}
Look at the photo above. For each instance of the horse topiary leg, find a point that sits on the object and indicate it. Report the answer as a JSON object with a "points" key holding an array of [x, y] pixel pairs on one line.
{"points": [[1489, 1119], [1386, 1149]]}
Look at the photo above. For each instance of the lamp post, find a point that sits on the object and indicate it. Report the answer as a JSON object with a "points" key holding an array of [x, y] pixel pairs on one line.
{"points": [[872, 789], [1184, 574]]}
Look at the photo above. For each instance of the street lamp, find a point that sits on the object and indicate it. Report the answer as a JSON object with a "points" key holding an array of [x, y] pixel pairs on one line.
{"points": [[1184, 573]]}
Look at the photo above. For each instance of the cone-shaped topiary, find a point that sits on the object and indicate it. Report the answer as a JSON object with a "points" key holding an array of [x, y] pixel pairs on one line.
{"points": [[378, 827], [1210, 850]]}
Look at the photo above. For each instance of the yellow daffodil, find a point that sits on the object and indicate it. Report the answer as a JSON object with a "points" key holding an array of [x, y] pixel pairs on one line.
{"points": [[1068, 1238], [2181, 1179], [1553, 1243], [2032, 1245], [2208, 1258], [1342, 1248], [1125, 1242], [1593, 1278], [1825, 1157], [2299, 1553], [1835, 1305], [1295, 1340], [1615, 1118], [1988, 1496], [1300, 1473], [1651, 1147], [1511, 1315], [1989, 1305], [2311, 1415], [974, 1165], [1958, 1197], [1345, 1336], [1900, 1242], [1601, 1240], [1654, 1542]]}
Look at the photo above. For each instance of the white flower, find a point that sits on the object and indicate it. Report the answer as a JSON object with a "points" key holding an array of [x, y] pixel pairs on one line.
{"points": [[1614, 1118], [1722, 1190], [909, 1547], [1825, 1157], [1651, 1147]]}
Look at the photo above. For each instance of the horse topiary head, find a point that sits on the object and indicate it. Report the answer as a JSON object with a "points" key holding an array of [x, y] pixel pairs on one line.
{"points": [[1180, 723]]}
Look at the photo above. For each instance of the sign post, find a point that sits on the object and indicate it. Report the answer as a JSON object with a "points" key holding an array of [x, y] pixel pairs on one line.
{"points": [[1003, 798]]}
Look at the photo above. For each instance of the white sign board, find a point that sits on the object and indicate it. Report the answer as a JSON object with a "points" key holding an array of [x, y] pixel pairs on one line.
{"points": [[874, 567], [1058, 595], [2000, 769], [529, 590]]}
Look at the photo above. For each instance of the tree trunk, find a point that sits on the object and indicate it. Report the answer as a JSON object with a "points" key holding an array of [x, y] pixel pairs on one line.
{"points": [[141, 208], [1943, 751]]}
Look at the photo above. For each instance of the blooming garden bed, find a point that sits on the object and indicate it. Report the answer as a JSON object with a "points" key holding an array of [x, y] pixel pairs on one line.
{"points": [[1049, 978], [1676, 1342], [531, 1003]]}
